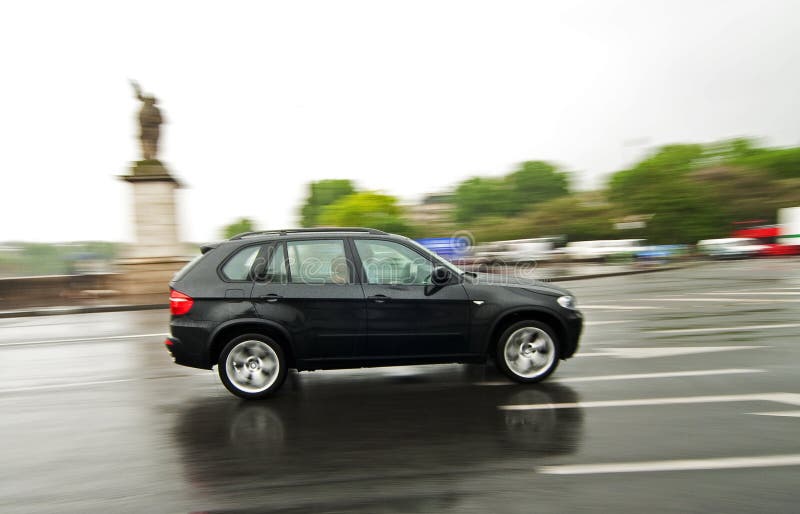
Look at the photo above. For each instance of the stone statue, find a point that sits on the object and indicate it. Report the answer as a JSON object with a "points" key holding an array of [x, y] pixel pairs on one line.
{"points": [[149, 122]]}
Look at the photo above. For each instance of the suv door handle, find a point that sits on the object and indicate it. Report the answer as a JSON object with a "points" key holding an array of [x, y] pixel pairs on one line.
{"points": [[271, 298], [378, 298]]}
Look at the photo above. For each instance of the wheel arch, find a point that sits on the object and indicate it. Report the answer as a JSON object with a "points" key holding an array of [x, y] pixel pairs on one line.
{"points": [[228, 331], [524, 314]]}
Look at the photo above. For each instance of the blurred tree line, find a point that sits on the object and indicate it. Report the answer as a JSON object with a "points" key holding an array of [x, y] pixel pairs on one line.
{"points": [[677, 194]]}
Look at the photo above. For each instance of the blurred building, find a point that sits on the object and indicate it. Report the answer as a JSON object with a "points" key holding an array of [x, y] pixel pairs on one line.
{"points": [[433, 209]]}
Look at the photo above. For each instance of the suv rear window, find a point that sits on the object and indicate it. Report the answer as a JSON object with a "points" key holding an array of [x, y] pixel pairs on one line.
{"points": [[238, 267]]}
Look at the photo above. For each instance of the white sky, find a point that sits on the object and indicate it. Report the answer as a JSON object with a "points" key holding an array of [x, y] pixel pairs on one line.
{"points": [[405, 97]]}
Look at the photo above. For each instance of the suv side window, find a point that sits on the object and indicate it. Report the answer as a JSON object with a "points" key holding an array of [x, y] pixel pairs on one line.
{"points": [[238, 267], [387, 262], [321, 261]]}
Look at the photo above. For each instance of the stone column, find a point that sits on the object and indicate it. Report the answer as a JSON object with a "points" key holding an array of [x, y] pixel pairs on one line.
{"points": [[153, 259]]}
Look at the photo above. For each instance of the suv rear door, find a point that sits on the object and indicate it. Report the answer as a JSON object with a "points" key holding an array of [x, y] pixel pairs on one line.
{"points": [[308, 287]]}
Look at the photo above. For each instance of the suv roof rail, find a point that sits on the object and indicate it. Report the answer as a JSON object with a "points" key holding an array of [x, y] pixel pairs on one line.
{"points": [[286, 231]]}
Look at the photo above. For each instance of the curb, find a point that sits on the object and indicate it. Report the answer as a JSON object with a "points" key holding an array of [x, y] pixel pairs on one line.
{"points": [[567, 278], [89, 309]]}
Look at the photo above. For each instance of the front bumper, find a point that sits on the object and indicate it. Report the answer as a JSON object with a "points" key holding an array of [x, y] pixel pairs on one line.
{"points": [[574, 326]]}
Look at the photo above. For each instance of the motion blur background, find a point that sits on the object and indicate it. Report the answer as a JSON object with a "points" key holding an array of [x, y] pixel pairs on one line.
{"points": [[568, 140], [656, 123]]}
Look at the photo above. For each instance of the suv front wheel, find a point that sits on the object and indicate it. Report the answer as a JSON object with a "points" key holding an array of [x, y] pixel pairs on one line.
{"points": [[527, 351], [252, 366]]}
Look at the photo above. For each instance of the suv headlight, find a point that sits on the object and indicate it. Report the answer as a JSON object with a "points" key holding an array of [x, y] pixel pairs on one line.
{"points": [[568, 302]]}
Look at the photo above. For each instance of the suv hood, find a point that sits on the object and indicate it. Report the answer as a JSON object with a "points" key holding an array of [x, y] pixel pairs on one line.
{"points": [[494, 279]]}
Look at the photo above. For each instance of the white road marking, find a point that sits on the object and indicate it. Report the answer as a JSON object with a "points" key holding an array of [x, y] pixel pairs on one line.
{"points": [[787, 398], [762, 461], [741, 328], [65, 386], [595, 323], [718, 300], [786, 413], [71, 385], [83, 339], [666, 374], [619, 307], [738, 293], [670, 351]]}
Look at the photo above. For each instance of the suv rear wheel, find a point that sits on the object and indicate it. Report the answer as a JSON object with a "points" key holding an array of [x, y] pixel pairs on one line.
{"points": [[252, 366], [527, 351]]}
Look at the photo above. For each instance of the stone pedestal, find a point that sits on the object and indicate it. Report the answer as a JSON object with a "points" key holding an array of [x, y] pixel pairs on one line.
{"points": [[155, 221], [157, 254]]}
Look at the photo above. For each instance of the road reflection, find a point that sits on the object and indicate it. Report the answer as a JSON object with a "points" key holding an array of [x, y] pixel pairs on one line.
{"points": [[362, 433]]}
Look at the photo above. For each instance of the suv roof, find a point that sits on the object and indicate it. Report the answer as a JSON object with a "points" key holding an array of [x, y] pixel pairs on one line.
{"points": [[326, 230], [267, 235]]}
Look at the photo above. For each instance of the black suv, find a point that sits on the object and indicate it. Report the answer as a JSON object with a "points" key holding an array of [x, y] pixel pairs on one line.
{"points": [[262, 302]]}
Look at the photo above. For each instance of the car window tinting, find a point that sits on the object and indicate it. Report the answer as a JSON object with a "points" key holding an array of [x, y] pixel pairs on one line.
{"points": [[318, 262], [387, 262], [238, 267]]}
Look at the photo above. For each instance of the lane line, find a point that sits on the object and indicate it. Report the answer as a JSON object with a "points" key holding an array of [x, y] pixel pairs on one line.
{"points": [[786, 398], [666, 374], [596, 323], [743, 328], [738, 293], [65, 386], [620, 307], [719, 300], [637, 376], [83, 339], [72, 385], [761, 461], [649, 352], [786, 413]]}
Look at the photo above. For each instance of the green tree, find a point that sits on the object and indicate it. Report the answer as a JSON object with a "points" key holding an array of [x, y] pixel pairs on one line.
{"points": [[535, 182], [579, 217], [237, 227], [366, 209], [782, 163], [744, 194], [478, 197], [681, 209], [531, 183], [321, 194]]}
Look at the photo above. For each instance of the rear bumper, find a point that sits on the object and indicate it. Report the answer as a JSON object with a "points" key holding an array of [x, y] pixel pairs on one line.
{"points": [[183, 355]]}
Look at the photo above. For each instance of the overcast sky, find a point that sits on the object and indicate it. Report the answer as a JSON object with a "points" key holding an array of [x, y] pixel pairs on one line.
{"points": [[405, 97]]}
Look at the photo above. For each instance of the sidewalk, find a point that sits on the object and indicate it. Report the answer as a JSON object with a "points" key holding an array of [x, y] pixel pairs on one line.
{"points": [[544, 274]]}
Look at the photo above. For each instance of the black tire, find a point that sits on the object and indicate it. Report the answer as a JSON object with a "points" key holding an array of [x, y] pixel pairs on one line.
{"points": [[528, 336], [257, 366]]}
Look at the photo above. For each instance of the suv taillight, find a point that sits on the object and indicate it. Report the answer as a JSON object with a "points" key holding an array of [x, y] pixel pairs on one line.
{"points": [[179, 303]]}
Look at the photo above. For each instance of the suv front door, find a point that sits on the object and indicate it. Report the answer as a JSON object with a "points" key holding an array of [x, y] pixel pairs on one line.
{"points": [[408, 316], [308, 286]]}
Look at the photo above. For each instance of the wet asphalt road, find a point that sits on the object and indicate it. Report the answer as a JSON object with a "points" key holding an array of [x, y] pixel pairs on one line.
{"points": [[96, 417]]}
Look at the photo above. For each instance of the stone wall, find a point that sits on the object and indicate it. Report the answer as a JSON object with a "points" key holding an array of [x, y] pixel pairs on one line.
{"points": [[147, 280], [55, 290], [137, 282]]}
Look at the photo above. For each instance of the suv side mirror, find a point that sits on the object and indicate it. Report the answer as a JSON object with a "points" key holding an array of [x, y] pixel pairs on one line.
{"points": [[440, 276]]}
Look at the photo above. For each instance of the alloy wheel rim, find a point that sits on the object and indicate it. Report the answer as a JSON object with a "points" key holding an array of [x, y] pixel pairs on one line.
{"points": [[252, 366], [529, 352]]}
